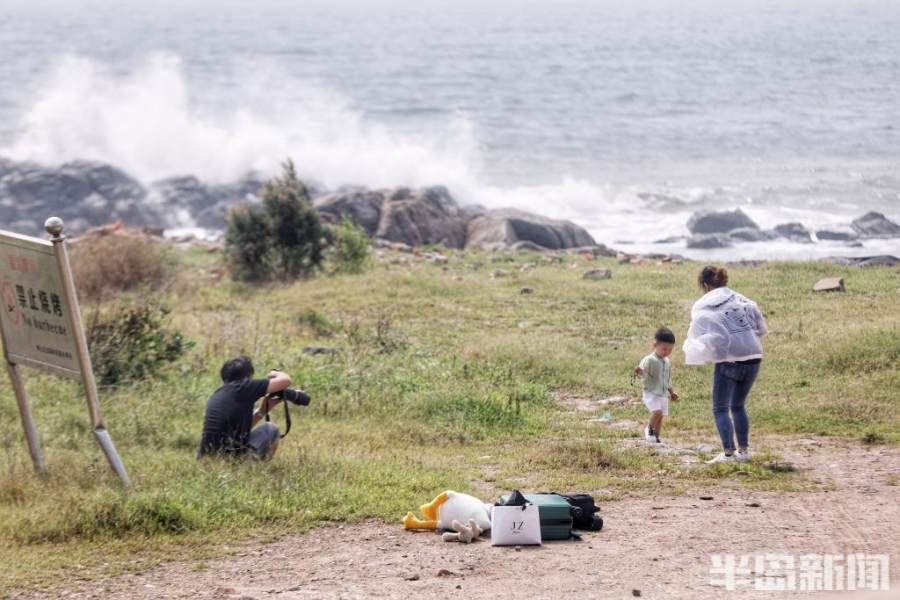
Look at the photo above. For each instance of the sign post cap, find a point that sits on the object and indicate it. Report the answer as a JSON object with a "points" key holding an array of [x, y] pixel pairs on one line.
{"points": [[53, 226]]}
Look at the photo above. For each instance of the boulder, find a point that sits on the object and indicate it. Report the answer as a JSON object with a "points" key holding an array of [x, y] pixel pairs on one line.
{"points": [[865, 261], [187, 200], [83, 193], [501, 228], [838, 236], [829, 284], [749, 234], [795, 232], [707, 242], [413, 217], [722, 221], [363, 207], [875, 224]]}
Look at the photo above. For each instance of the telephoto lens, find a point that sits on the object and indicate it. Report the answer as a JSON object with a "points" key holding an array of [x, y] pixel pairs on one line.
{"points": [[293, 396]]}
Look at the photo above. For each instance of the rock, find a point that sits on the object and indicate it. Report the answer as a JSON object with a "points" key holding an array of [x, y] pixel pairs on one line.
{"points": [[445, 573], [435, 257], [875, 224], [186, 199], [708, 241], [829, 284], [878, 261], [526, 290], [795, 232], [598, 274], [864, 261], [674, 239], [314, 350], [710, 221], [526, 246], [413, 577], [83, 193], [748, 234], [413, 217], [362, 207], [636, 593], [498, 273], [595, 251], [501, 228], [839, 236]]}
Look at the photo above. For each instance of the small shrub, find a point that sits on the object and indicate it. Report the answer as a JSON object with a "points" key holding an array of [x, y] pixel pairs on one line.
{"points": [[115, 263], [280, 239], [350, 252], [132, 343]]}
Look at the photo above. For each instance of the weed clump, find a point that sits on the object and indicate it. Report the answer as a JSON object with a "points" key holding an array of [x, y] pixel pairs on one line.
{"points": [[115, 263], [350, 252], [132, 343]]}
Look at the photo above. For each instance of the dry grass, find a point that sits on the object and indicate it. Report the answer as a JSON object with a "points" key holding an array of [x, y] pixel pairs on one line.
{"points": [[106, 265]]}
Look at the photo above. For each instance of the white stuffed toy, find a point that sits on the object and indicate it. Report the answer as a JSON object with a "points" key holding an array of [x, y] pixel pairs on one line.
{"points": [[453, 511], [462, 533]]}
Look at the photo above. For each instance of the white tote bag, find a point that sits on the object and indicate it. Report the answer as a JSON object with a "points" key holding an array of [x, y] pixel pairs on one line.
{"points": [[515, 525]]}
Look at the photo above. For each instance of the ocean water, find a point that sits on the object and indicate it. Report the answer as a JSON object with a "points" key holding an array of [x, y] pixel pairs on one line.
{"points": [[622, 116]]}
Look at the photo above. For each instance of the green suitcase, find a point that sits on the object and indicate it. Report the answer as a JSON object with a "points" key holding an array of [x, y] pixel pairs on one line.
{"points": [[555, 513]]}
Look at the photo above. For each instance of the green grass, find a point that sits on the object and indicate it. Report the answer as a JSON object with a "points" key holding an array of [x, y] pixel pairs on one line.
{"points": [[445, 380]]}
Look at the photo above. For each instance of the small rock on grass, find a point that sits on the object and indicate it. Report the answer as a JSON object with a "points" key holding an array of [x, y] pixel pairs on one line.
{"points": [[829, 284], [598, 274], [526, 290]]}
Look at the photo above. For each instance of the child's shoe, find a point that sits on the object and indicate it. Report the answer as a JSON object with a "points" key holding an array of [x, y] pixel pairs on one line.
{"points": [[649, 435], [721, 458], [743, 456]]}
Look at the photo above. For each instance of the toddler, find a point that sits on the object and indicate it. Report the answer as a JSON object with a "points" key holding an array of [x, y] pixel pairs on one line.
{"points": [[656, 371]]}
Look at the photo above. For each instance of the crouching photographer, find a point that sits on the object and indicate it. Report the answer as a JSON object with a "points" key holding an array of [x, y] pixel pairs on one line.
{"points": [[230, 423]]}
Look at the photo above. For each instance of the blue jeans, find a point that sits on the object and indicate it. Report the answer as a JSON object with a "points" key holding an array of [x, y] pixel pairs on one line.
{"points": [[731, 385]]}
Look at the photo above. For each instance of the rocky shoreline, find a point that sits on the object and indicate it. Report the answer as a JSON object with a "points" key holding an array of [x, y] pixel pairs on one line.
{"points": [[90, 194]]}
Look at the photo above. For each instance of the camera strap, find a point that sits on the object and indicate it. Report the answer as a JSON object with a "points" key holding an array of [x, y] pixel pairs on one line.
{"points": [[287, 414]]}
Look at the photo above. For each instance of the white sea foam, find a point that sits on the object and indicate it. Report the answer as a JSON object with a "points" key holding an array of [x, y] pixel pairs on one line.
{"points": [[153, 121], [150, 123]]}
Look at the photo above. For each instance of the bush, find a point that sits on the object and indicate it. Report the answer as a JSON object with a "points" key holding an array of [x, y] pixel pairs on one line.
{"points": [[248, 245], [350, 251], [280, 239], [115, 263], [132, 343]]}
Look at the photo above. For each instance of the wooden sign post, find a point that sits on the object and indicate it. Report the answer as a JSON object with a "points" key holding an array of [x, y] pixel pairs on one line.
{"points": [[41, 328]]}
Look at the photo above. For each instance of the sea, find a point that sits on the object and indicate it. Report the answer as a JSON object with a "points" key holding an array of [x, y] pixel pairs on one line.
{"points": [[623, 116]]}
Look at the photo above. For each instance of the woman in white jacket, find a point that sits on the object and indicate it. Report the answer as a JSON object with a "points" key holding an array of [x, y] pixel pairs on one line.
{"points": [[726, 329]]}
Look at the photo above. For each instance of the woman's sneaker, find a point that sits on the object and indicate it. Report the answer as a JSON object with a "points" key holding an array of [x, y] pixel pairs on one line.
{"points": [[743, 456], [649, 435], [721, 458]]}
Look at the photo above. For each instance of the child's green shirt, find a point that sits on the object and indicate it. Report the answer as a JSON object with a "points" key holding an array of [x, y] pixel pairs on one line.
{"points": [[657, 374]]}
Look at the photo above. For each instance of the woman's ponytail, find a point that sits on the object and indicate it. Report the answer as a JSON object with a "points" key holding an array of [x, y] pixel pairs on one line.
{"points": [[711, 278]]}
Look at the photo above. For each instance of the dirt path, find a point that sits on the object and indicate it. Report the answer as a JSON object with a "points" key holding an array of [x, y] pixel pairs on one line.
{"points": [[659, 546]]}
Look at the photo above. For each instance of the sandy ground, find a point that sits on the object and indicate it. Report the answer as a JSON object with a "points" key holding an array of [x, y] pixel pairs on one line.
{"points": [[652, 548]]}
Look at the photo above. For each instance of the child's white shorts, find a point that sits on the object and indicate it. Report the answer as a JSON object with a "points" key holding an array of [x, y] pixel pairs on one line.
{"points": [[656, 402]]}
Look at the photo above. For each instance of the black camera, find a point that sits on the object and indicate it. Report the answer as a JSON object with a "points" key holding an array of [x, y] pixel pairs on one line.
{"points": [[298, 397]]}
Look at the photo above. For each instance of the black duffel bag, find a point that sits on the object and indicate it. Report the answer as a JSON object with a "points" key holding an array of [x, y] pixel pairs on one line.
{"points": [[584, 512]]}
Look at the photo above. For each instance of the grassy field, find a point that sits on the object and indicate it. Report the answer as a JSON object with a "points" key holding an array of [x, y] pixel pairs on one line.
{"points": [[447, 378]]}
